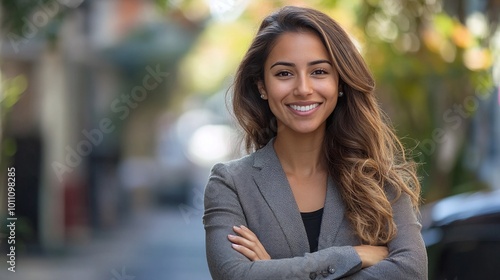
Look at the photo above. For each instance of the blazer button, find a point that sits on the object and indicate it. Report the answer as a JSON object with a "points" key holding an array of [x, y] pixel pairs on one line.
{"points": [[312, 275], [331, 270]]}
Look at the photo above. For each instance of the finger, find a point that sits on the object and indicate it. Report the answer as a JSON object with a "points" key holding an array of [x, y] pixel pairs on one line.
{"points": [[252, 242], [257, 248], [245, 232], [251, 255], [243, 242]]}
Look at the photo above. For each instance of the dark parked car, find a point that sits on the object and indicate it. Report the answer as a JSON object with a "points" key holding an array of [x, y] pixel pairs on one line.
{"points": [[462, 236]]}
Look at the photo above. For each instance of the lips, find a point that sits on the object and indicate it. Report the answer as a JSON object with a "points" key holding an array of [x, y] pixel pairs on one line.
{"points": [[304, 108]]}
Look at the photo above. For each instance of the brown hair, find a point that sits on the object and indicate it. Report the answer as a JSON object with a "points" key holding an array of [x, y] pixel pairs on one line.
{"points": [[363, 154]]}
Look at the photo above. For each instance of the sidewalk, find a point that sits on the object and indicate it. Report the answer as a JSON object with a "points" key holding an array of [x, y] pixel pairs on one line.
{"points": [[155, 245]]}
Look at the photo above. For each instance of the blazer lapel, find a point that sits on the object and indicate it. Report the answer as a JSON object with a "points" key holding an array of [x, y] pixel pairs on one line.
{"points": [[333, 215], [274, 187]]}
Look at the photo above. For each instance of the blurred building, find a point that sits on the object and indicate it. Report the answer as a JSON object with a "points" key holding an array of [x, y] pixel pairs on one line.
{"points": [[98, 74]]}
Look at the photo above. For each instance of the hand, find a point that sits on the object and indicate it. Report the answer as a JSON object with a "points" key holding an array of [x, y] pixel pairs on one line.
{"points": [[248, 244], [371, 255]]}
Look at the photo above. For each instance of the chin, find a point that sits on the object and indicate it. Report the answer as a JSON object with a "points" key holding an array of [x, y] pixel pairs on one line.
{"points": [[302, 127], [306, 130]]}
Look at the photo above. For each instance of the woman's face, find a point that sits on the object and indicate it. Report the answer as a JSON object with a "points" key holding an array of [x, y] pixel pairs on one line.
{"points": [[300, 82]]}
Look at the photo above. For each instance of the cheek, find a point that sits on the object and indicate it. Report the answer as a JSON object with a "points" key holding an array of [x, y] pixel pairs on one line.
{"points": [[277, 88], [329, 87], [334, 105], [329, 91], [275, 106], [332, 108], [277, 93], [331, 102]]}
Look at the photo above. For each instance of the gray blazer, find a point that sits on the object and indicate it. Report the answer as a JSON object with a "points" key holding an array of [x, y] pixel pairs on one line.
{"points": [[254, 191]]}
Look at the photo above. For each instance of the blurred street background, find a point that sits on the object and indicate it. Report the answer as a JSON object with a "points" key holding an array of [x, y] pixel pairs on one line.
{"points": [[113, 112]]}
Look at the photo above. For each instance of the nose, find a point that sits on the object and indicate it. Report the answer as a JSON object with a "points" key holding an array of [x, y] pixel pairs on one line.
{"points": [[303, 86]]}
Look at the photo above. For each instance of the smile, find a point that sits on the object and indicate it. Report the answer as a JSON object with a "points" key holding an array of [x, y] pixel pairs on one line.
{"points": [[304, 108]]}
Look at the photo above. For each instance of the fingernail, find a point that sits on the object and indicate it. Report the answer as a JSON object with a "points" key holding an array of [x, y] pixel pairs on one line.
{"points": [[231, 236], [235, 245], [242, 226], [236, 227]]}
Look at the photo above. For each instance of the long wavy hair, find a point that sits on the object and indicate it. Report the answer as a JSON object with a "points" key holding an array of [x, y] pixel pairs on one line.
{"points": [[363, 154]]}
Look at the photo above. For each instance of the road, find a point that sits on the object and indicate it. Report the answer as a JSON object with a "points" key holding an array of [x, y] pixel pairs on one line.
{"points": [[154, 245]]}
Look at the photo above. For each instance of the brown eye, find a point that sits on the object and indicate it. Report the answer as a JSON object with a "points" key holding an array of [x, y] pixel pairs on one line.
{"points": [[319, 72], [283, 74]]}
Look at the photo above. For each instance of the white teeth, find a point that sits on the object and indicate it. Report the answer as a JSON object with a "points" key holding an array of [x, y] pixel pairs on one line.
{"points": [[304, 108]]}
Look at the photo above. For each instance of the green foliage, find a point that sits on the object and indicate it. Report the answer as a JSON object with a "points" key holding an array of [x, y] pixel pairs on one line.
{"points": [[419, 56], [20, 15], [12, 90]]}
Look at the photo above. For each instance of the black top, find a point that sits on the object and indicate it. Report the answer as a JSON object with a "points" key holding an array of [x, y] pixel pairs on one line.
{"points": [[312, 223]]}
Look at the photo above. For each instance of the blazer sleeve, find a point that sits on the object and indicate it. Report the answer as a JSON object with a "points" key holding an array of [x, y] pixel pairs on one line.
{"points": [[223, 210], [407, 254]]}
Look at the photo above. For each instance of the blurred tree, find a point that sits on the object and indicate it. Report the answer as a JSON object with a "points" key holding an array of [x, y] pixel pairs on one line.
{"points": [[25, 19], [431, 72], [10, 92]]}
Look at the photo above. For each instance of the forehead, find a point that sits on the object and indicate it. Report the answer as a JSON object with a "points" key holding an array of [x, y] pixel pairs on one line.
{"points": [[298, 47]]}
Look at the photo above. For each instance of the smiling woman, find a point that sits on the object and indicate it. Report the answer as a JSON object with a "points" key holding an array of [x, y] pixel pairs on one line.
{"points": [[328, 192], [301, 87]]}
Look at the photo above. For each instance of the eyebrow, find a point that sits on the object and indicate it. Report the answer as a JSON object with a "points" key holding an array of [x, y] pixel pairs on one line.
{"points": [[293, 64]]}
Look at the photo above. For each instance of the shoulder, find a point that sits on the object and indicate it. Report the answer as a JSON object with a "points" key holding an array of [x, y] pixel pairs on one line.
{"points": [[236, 167], [232, 174], [240, 172], [228, 178], [265, 156]]}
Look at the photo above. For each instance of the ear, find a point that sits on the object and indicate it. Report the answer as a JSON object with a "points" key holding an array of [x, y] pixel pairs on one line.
{"points": [[262, 90]]}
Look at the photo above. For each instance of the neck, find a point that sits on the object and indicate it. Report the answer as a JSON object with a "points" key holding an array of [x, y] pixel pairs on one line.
{"points": [[300, 153]]}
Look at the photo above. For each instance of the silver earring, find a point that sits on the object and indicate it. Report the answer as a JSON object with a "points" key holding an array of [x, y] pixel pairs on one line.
{"points": [[341, 94], [262, 96]]}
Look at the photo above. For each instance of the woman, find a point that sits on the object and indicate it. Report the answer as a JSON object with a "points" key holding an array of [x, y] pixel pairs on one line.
{"points": [[328, 193]]}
